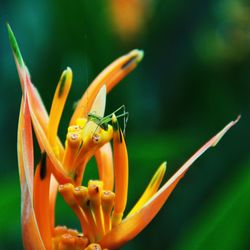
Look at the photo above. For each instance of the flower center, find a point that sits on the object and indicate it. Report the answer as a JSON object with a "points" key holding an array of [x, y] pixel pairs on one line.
{"points": [[82, 140]]}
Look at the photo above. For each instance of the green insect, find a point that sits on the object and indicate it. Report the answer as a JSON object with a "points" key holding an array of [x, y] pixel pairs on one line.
{"points": [[103, 122]]}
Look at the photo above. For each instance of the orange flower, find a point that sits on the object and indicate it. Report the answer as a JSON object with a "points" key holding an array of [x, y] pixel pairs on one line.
{"points": [[99, 206]]}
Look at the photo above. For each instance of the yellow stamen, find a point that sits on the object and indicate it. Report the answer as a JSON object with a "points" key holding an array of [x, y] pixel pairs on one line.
{"points": [[81, 122], [107, 199], [81, 195], [67, 191], [57, 106], [74, 129], [93, 246], [73, 142], [72, 145], [94, 192], [93, 138], [151, 189], [121, 173]]}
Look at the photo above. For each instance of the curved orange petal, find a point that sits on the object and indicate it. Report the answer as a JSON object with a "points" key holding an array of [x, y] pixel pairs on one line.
{"points": [[104, 159], [36, 108], [57, 107], [135, 223], [58, 170], [23, 72], [41, 200], [110, 76], [121, 172], [30, 231]]}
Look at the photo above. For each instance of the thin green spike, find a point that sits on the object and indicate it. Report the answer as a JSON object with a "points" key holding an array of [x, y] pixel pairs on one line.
{"points": [[14, 46]]}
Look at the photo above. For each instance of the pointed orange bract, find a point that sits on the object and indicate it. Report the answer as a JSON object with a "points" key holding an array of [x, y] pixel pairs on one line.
{"points": [[110, 76], [57, 107], [58, 169], [38, 113], [121, 173], [31, 235], [42, 201], [135, 223]]}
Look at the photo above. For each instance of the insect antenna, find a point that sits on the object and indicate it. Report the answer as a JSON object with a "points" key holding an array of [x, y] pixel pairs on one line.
{"points": [[104, 121]]}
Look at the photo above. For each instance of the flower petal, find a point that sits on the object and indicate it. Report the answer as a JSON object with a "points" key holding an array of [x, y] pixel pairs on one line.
{"points": [[31, 235], [23, 75], [58, 170], [41, 200], [110, 76], [92, 128], [121, 172], [57, 106], [35, 103], [104, 159], [135, 223]]}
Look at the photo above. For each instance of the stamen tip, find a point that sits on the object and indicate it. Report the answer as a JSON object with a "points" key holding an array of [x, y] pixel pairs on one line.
{"points": [[77, 189], [93, 246], [96, 138]]}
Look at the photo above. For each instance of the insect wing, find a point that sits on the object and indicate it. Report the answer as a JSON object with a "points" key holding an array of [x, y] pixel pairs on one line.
{"points": [[98, 107]]}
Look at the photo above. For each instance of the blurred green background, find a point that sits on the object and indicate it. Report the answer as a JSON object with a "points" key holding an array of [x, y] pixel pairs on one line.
{"points": [[194, 79]]}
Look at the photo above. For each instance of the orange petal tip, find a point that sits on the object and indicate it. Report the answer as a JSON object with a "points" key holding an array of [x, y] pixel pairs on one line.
{"points": [[134, 57], [224, 131], [139, 54]]}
